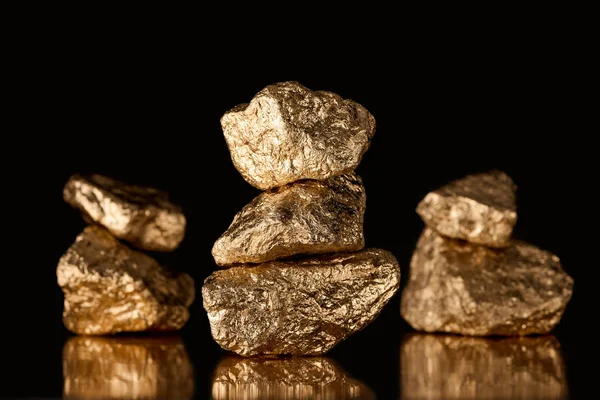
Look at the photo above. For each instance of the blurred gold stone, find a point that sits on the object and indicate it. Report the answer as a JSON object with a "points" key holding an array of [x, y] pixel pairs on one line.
{"points": [[288, 133], [142, 216], [479, 208], [285, 378], [469, 289], [307, 217], [299, 307], [127, 368], [455, 367], [110, 288]]}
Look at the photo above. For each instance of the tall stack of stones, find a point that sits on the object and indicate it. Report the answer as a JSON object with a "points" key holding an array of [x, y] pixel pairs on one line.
{"points": [[297, 279]]}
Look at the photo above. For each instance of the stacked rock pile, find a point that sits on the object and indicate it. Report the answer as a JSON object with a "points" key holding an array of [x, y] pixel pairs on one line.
{"points": [[298, 280]]}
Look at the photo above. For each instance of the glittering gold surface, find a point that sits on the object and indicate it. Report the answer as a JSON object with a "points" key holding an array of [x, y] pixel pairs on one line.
{"points": [[302, 307], [288, 132], [142, 216], [480, 208], [110, 288], [307, 217], [315, 378], [127, 368], [469, 289], [455, 367]]}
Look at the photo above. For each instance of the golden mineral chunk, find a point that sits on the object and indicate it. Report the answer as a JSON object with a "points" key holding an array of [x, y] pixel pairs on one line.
{"points": [[127, 368], [479, 208], [142, 216], [455, 367], [285, 378], [288, 132], [469, 289], [307, 217], [299, 307], [110, 288]]}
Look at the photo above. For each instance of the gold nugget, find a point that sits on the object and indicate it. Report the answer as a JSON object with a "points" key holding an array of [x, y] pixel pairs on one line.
{"points": [[300, 307], [142, 216], [469, 289], [288, 132], [479, 208], [307, 217], [110, 288]]}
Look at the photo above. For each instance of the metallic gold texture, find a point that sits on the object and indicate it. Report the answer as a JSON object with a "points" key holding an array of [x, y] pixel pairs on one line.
{"points": [[292, 378], [299, 307], [479, 208], [142, 216], [110, 288], [454, 367], [469, 289], [306, 217], [288, 133], [127, 368]]}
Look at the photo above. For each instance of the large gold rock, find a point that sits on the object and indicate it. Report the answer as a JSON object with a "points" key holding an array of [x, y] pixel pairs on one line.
{"points": [[127, 368], [301, 307], [474, 290], [307, 217], [288, 132], [454, 367], [142, 216], [110, 288], [479, 208], [285, 378]]}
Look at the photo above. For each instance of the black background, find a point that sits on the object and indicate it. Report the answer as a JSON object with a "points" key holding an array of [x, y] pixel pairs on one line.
{"points": [[148, 113]]}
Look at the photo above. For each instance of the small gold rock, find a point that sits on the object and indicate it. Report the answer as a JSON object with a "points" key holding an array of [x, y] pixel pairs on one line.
{"points": [[288, 132], [300, 307], [142, 216], [479, 208], [307, 217], [110, 288], [469, 289]]}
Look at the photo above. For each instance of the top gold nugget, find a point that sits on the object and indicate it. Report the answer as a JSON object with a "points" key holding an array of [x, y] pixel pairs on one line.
{"points": [[140, 215], [288, 133]]}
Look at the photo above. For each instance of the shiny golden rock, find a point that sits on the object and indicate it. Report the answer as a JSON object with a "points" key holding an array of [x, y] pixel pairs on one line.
{"points": [[127, 368], [307, 217], [469, 289], [300, 307], [142, 216], [285, 378], [455, 367], [288, 132], [110, 288], [479, 208]]}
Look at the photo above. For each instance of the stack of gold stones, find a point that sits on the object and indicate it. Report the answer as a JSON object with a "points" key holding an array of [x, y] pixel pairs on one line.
{"points": [[297, 279]]}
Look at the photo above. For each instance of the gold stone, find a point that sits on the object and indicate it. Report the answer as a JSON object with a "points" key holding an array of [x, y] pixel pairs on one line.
{"points": [[142, 216], [307, 217], [455, 367], [127, 368], [464, 288], [285, 378], [298, 307], [479, 208], [110, 288], [288, 132]]}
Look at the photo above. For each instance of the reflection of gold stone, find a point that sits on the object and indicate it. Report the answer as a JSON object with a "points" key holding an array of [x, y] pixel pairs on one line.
{"points": [[288, 132], [299, 307], [142, 216], [474, 290], [127, 368], [455, 367], [285, 378], [110, 288], [307, 217], [480, 208]]}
